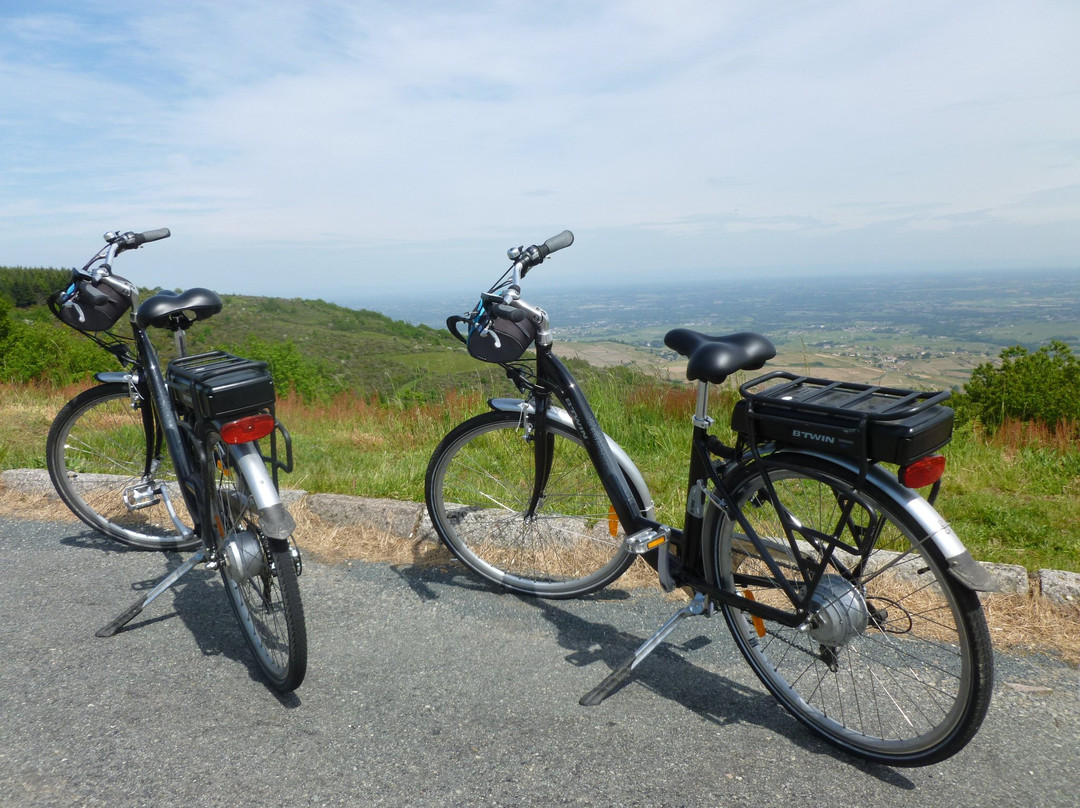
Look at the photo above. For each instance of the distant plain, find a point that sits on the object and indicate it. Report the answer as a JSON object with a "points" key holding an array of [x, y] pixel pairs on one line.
{"points": [[919, 329]]}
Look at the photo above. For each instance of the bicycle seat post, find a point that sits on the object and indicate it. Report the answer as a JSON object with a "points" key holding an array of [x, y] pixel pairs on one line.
{"points": [[701, 414]]}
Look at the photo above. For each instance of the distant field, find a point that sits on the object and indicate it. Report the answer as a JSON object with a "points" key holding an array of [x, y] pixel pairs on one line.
{"points": [[912, 330], [950, 370]]}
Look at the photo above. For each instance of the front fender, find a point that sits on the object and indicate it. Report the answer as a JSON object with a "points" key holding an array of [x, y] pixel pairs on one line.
{"points": [[112, 376], [633, 475]]}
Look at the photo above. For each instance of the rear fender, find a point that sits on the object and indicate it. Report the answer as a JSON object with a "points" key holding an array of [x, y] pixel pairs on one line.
{"points": [[274, 520], [960, 563]]}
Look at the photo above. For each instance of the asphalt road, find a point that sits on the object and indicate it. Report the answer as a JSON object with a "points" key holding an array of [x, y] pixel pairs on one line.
{"points": [[428, 688]]}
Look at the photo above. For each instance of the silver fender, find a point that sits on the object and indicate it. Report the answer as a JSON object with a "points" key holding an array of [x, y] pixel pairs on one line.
{"points": [[275, 521], [960, 563], [112, 376], [633, 475]]}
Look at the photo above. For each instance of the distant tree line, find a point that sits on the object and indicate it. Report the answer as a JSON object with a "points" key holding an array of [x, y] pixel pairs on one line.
{"points": [[24, 287]]}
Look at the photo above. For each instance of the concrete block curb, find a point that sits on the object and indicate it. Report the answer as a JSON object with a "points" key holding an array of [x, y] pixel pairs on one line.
{"points": [[1010, 579], [409, 520], [392, 516], [1060, 587]]}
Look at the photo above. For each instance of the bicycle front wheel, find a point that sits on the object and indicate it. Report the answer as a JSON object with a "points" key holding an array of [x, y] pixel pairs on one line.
{"points": [[260, 577], [894, 663], [480, 484], [97, 453]]}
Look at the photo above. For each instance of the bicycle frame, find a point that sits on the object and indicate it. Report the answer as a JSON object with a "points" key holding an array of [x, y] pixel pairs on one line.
{"points": [[686, 567]]}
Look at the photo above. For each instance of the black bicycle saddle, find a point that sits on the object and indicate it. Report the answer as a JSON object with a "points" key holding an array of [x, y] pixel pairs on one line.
{"points": [[713, 359], [197, 304]]}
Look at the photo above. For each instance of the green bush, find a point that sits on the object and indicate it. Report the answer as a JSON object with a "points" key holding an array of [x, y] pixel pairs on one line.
{"points": [[1039, 386], [33, 350], [309, 378]]}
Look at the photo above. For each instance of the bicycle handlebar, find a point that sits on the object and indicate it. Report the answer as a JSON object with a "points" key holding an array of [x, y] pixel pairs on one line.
{"points": [[525, 258], [130, 240], [506, 303], [502, 311], [150, 235]]}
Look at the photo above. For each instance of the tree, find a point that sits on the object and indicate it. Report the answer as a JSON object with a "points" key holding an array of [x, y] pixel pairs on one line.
{"points": [[1039, 386]]}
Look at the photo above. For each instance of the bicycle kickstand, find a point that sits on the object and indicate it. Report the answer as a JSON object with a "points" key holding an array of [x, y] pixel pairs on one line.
{"points": [[125, 617], [617, 676]]}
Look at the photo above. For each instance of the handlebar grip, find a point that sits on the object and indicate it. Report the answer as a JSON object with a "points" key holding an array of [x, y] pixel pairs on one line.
{"points": [[152, 235], [94, 295], [564, 239]]}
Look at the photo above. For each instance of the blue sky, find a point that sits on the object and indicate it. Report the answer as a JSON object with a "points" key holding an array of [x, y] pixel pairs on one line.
{"points": [[338, 149]]}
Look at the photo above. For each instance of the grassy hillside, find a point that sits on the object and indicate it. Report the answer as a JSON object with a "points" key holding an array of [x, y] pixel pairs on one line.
{"points": [[317, 348], [367, 399]]}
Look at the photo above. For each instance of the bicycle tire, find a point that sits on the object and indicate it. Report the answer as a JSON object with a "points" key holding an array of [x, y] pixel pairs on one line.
{"points": [[477, 487], [259, 575], [896, 666], [96, 452]]}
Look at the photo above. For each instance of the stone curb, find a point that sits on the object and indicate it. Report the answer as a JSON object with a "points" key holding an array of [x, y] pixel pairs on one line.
{"points": [[409, 520]]}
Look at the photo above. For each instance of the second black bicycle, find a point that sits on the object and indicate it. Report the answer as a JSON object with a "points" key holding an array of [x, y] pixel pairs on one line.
{"points": [[850, 597]]}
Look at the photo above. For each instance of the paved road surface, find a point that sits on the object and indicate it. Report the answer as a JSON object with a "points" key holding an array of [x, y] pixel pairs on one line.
{"points": [[427, 688]]}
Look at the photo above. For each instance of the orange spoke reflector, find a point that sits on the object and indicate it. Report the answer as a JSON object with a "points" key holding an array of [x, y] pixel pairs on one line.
{"points": [[612, 522], [759, 624], [247, 429], [923, 472]]}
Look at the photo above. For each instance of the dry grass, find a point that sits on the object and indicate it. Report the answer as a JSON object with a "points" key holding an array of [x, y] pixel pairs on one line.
{"points": [[34, 506], [1033, 624], [1012, 435], [335, 544], [1021, 623]]}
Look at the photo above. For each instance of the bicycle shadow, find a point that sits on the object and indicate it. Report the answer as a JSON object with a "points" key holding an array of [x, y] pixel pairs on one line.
{"points": [[666, 672], [90, 539], [421, 575], [198, 599], [669, 674]]}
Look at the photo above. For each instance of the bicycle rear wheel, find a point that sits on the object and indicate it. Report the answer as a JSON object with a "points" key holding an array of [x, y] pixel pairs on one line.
{"points": [[479, 484], [260, 577], [895, 663], [96, 454]]}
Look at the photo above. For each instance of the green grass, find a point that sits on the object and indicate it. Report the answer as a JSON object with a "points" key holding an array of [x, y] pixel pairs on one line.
{"points": [[1014, 498]]}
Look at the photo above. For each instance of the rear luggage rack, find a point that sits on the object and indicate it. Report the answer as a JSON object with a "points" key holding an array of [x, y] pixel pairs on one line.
{"points": [[870, 422]]}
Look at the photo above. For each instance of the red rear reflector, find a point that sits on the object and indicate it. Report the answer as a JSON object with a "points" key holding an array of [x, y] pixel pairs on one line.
{"points": [[248, 428], [923, 472]]}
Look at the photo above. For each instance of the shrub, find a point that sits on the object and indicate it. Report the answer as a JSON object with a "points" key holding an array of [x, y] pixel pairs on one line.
{"points": [[1025, 386]]}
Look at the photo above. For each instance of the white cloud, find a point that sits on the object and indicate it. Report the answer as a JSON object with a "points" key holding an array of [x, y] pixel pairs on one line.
{"points": [[695, 131]]}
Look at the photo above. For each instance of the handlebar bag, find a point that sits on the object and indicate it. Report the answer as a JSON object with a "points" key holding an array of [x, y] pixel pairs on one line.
{"points": [[501, 341], [86, 307]]}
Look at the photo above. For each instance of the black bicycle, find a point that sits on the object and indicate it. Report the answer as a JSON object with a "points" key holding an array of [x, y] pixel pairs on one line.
{"points": [[175, 459], [853, 601]]}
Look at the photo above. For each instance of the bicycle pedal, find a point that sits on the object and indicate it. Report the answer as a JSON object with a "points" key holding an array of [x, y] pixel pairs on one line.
{"points": [[140, 496], [647, 539]]}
